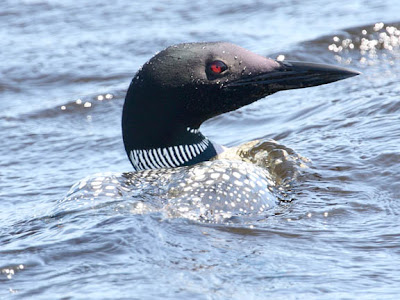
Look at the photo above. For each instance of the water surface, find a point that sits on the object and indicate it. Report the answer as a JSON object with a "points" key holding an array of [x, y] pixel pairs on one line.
{"points": [[66, 67]]}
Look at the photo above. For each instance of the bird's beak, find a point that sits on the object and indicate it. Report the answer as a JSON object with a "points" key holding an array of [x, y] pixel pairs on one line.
{"points": [[293, 75]]}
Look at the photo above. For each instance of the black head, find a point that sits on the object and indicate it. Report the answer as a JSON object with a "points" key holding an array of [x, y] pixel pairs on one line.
{"points": [[192, 79], [184, 85]]}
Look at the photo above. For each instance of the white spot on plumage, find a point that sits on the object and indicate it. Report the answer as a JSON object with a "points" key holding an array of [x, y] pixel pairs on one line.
{"points": [[215, 175], [200, 177], [238, 183], [236, 174]]}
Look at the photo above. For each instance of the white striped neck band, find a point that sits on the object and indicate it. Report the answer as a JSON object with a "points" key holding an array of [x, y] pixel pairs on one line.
{"points": [[168, 157], [192, 130]]}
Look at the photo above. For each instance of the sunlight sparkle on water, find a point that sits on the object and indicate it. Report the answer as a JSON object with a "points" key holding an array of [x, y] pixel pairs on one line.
{"points": [[377, 38]]}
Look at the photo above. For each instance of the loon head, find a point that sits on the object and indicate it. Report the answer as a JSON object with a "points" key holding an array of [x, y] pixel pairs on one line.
{"points": [[186, 84]]}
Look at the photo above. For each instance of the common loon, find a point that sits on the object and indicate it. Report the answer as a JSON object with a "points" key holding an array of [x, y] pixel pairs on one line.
{"points": [[186, 84], [178, 171]]}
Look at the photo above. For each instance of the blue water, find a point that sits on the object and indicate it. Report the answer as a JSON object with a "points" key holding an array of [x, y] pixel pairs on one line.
{"points": [[65, 69]]}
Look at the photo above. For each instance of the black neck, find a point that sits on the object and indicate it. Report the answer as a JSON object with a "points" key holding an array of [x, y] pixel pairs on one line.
{"points": [[157, 136]]}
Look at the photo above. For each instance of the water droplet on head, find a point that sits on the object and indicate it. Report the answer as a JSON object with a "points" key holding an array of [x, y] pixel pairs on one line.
{"points": [[280, 57]]}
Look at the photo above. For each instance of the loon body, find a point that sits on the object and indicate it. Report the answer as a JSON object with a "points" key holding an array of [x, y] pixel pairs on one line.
{"points": [[186, 84]]}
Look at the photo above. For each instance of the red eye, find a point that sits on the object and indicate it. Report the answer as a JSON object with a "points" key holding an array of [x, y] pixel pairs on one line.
{"points": [[218, 67]]}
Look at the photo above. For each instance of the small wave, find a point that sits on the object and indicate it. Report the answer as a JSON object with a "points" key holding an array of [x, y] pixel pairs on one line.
{"points": [[72, 107]]}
